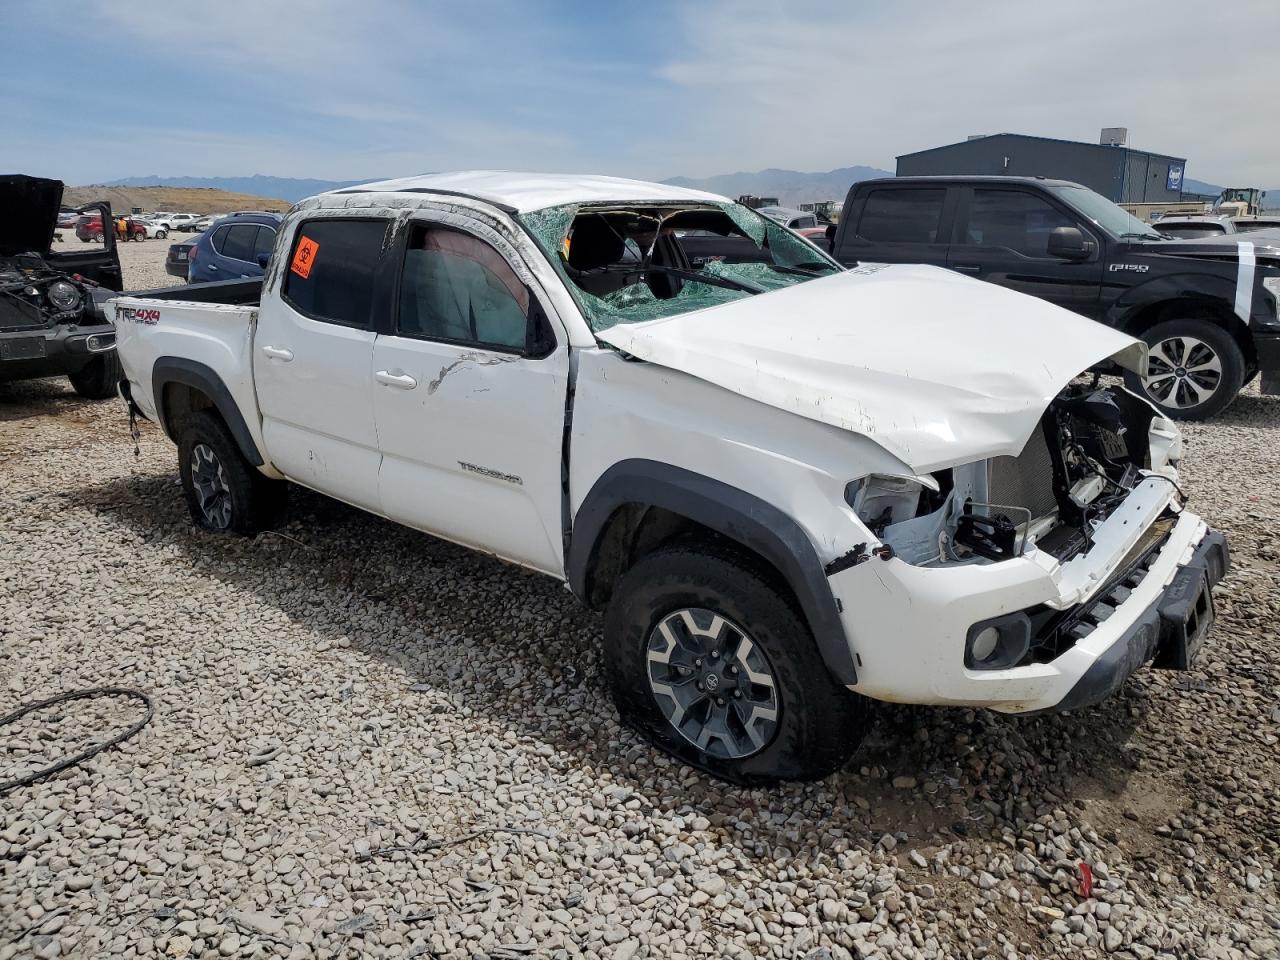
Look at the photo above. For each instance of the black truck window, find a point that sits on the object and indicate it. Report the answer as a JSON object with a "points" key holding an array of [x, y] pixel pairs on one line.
{"points": [[902, 215], [331, 267], [1012, 219]]}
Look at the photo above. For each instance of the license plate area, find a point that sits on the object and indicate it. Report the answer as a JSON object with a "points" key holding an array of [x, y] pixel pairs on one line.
{"points": [[22, 348]]}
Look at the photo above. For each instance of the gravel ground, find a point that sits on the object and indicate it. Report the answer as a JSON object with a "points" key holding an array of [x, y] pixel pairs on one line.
{"points": [[368, 743]]}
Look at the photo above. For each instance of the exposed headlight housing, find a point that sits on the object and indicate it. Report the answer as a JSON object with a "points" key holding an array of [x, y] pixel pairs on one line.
{"points": [[63, 295]]}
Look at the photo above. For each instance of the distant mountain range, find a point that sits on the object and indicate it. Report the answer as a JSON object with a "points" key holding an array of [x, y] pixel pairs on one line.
{"points": [[791, 187]]}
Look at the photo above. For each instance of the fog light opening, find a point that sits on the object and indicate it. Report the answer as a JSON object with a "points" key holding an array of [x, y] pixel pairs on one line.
{"points": [[999, 643], [100, 341]]}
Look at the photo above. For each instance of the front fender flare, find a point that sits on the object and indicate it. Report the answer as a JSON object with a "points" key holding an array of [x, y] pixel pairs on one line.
{"points": [[740, 516], [202, 377]]}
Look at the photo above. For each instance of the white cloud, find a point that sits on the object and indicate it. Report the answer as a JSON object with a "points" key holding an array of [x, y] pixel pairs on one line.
{"points": [[821, 85]]}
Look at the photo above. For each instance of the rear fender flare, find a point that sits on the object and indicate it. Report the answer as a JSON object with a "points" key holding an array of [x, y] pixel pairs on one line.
{"points": [[735, 514], [192, 373]]}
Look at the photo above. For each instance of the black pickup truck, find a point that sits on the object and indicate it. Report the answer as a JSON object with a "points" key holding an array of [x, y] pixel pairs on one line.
{"points": [[51, 318], [1207, 308]]}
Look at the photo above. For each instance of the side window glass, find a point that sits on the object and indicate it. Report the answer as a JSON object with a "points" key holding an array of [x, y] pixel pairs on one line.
{"points": [[1018, 221], [331, 269], [239, 240], [456, 287], [266, 240], [902, 215], [219, 238]]}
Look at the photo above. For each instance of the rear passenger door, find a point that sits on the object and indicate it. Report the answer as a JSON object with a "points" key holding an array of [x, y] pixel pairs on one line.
{"points": [[470, 383], [313, 354], [1002, 235], [898, 224]]}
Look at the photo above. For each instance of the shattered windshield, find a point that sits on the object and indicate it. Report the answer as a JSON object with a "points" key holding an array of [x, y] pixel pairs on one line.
{"points": [[626, 263]]}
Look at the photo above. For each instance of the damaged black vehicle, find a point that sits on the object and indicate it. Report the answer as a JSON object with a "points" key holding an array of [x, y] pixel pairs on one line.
{"points": [[51, 318]]}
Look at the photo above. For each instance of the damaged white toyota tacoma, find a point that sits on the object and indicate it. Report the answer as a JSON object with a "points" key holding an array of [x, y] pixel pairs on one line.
{"points": [[791, 486]]}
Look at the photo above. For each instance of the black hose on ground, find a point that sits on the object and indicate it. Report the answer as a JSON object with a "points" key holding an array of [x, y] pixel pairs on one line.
{"points": [[84, 755]]}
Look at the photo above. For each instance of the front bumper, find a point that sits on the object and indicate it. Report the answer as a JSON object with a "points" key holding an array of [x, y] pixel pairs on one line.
{"points": [[908, 624], [50, 351], [1268, 350]]}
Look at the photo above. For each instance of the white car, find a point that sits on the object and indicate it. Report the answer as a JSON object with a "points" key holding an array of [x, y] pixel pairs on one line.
{"points": [[789, 486], [176, 221], [154, 229]]}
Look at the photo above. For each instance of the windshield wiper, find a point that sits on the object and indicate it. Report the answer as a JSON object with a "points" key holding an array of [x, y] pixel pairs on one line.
{"points": [[712, 281], [798, 269], [1144, 236]]}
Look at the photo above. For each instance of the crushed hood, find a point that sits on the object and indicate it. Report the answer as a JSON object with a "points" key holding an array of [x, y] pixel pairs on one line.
{"points": [[28, 213], [937, 368]]}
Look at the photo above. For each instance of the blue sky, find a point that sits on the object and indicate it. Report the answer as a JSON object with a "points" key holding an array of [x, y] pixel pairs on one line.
{"points": [[100, 89]]}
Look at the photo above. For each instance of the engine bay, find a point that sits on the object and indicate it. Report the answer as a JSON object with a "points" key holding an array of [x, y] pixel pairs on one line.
{"points": [[33, 295], [1091, 448]]}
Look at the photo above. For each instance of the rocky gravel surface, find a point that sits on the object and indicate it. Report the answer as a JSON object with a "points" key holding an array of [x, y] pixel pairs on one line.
{"points": [[369, 743]]}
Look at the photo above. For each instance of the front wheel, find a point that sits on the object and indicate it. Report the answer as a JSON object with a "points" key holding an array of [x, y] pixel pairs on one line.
{"points": [[161, 234], [711, 661], [1194, 369], [224, 492], [97, 379]]}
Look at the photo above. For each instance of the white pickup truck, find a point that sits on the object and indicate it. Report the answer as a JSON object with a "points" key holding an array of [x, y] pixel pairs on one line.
{"points": [[792, 486]]}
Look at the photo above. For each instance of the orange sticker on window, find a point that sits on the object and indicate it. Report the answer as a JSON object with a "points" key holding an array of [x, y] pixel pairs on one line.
{"points": [[304, 257]]}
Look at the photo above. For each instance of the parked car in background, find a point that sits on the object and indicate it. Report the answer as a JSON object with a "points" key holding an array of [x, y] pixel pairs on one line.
{"points": [[789, 218], [1208, 310], [89, 228], [177, 261], [66, 219], [1194, 228], [800, 487], [1252, 224], [204, 223], [237, 245], [175, 221], [151, 229], [51, 318]]}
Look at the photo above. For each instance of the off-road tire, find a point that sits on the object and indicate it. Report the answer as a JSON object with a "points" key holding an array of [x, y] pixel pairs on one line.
{"points": [[256, 502], [1224, 347], [820, 723], [97, 380]]}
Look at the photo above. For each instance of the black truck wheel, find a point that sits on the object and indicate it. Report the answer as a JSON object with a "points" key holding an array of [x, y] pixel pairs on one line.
{"points": [[224, 492], [712, 663], [97, 380], [1194, 369]]}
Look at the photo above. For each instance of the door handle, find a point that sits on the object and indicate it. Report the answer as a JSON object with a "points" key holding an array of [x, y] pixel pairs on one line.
{"points": [[400, 380], [967, 267], [278, 353]]}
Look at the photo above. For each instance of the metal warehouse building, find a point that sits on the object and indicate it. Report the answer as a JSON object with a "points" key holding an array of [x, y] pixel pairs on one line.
{"points": [[1118, 173]]}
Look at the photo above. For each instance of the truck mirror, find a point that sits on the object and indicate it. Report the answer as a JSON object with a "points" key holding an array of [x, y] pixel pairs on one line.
{"points": [[1069, 243]]}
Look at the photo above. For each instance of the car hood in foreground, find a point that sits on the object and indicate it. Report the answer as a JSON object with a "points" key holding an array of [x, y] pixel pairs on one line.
{"points": [[937, 368], [28, 213]]}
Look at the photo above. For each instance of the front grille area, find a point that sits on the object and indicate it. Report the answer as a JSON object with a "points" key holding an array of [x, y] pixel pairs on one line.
{"points": [[1054, 632], [1025, 480], [16, 314]]}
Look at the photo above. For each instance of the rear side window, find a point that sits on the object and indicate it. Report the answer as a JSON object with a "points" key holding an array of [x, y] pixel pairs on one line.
{"points": [[238, 241], [331, 270], [896, 215], [262, 246], [458, 288], [1016, 221]]}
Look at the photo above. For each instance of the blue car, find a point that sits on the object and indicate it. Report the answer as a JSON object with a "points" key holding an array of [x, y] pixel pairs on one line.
{"points": [[235, 246]]}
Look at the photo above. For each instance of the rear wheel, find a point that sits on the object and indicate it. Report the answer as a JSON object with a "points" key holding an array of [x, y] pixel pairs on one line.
{"points": [[97, 379], [1194, 369], [224, 492], [712, 662]]}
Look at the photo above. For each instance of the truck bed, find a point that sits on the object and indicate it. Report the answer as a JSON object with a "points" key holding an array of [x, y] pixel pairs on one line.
{"points": [[236, 292]]}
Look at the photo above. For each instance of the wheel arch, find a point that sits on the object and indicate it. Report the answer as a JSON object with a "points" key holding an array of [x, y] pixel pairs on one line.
{"points": [[180, 386], [637, 505], [1138, 318]]}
